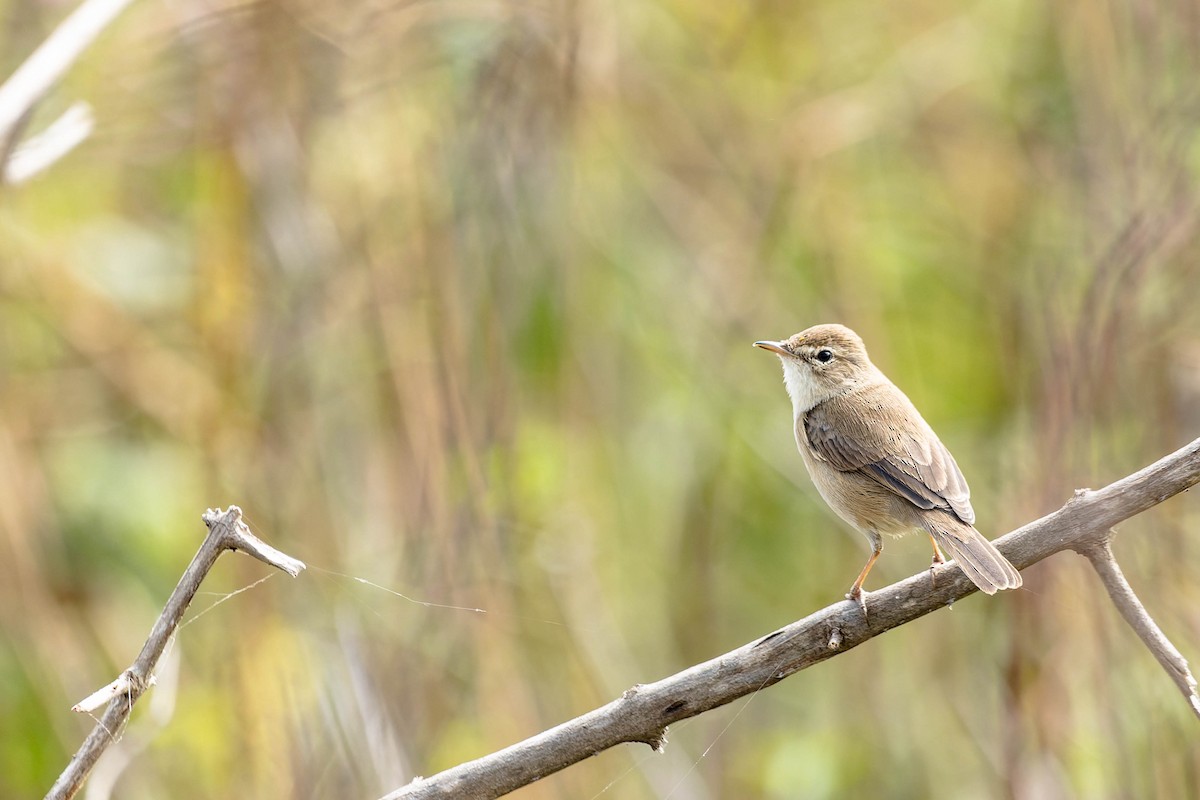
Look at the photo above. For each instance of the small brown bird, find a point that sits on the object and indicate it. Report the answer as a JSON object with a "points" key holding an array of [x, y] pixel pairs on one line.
{"points": [[874, 459]]}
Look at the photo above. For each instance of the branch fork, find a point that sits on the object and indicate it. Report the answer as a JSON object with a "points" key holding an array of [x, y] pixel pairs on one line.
{"points": [[226, 531]]}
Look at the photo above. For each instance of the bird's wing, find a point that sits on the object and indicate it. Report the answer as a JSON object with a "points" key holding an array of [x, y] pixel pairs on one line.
{"points": [[848, 432]]}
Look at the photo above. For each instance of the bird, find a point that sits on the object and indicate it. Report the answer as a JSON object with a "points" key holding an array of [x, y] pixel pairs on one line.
{"points": [[875, 460]]}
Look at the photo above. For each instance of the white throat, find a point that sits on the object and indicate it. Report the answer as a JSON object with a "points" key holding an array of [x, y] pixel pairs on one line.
{"points": [[802, 387]]}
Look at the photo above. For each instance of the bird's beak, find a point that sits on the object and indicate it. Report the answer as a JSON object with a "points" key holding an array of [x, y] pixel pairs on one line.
{"points": [[774, 347]]}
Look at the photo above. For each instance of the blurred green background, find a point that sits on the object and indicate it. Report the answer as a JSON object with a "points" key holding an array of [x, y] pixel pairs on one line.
{"points": [[458, 297]]}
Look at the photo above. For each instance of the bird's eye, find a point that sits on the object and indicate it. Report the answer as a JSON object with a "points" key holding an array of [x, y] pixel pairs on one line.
{"points": [[824, 356]]}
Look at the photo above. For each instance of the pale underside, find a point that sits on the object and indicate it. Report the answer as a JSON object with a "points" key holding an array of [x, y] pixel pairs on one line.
{"points": [[887, 463]]}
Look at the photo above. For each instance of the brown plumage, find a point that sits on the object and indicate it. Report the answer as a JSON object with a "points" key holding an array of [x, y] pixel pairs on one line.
{"points": [[875, 460]]}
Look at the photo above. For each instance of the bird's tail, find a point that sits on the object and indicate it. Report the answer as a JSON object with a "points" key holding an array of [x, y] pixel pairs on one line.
{"points": [[978, 557]]}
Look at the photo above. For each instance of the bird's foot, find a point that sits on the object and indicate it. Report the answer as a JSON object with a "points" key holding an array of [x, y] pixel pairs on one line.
{"points": [[938, 559], [859, 596]]}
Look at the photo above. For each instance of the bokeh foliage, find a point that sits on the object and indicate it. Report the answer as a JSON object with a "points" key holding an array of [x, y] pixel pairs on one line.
{"points": [[457, 298]]}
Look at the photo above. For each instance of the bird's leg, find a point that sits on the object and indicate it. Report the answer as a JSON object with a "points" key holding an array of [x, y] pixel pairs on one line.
{"points": [[856, 591], [938, 558]]}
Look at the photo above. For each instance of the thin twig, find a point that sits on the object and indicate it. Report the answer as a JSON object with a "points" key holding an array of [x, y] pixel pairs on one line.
{"points": [[226, 531], [1101, 555], [643, 713]]}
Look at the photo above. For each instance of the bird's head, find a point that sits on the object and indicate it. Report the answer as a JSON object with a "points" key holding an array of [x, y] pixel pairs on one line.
{"points": [[821, 362]]}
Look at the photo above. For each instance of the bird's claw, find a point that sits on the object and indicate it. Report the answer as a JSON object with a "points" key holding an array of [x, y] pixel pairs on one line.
{"points": [[860, 597], [938, 560]]}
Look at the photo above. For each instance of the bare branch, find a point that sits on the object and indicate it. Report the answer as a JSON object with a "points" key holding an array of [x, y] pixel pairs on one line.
{"points": [[114, 688], [35, 78], [41, 151], [643, 713], [10, 139], [1101, 555], [226, 531], [239, 537], [54, 57]]}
